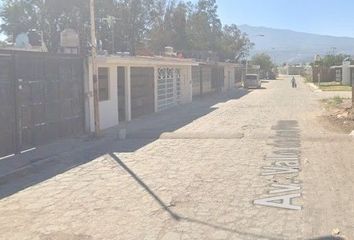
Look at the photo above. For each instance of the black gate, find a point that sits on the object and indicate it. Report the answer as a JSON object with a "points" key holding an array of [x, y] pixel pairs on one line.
{"points": [[42, 99], [7, 107]]}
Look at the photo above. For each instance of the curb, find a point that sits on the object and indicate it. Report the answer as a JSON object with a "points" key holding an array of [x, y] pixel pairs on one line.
{"points": [[314, 88], [25, 170], [37, 165]]}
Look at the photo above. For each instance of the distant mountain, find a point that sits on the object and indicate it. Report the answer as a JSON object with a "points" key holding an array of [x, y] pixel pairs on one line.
{"points": [[295, 47]]}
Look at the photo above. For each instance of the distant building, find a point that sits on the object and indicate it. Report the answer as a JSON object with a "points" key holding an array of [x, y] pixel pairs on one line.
{"points": [[344, 72], [294, 69], [317, 58]]}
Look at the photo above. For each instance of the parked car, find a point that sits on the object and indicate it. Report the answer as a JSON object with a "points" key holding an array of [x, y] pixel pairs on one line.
{"points": [[272, 75], [252, 81]]}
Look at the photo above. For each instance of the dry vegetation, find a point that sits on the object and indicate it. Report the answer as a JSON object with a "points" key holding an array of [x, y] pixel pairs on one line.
{"points": [[339, 114]]}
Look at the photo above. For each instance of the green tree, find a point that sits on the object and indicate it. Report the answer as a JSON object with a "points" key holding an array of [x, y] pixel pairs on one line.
{"points": [[169, 28], [162, 34], [3, 44], [49, 17], [55, 16], [333, 60], [124, 25], [264, 61], [18, 16], [235, 44], [205, 28], [140, 20], [179, 20]]}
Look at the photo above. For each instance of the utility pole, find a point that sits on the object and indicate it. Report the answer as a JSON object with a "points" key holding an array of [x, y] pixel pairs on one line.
{"points": [[352, 89], [94, 69]]}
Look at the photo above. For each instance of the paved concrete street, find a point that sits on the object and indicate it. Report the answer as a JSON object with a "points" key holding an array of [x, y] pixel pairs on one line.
{"points": [[201, 171]]}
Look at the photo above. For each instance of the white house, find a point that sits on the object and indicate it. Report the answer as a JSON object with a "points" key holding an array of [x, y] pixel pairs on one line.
{"points": [[345, 71], [231, 78], [130, 87]]}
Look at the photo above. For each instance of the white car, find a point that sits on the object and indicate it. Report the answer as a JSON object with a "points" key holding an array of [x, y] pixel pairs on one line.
{"points": [[252, 81]]}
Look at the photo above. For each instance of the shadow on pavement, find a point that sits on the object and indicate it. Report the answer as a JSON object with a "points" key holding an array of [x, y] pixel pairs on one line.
{"points": [[328, 238], [140, 132], [178, 217]]}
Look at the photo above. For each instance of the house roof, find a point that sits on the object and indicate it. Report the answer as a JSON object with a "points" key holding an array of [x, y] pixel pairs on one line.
{"points": [[145, 60], [338, 67]]}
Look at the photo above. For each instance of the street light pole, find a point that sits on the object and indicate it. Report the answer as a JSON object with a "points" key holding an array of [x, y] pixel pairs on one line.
{"points": [[94, 69]]}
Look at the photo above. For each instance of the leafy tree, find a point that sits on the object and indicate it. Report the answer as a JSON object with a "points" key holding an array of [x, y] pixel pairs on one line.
{"points": [[208, 9], [55, 16], [140, 19], [333, 60], [205, 28], [49, 17], [124, 25], [169, 27], [18, 16], [264, 61], [3, 44], [162, 32], [235, 44], [179, 24]]}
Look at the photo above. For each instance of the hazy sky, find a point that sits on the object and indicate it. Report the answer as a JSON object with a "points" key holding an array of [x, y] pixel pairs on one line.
{"points": [[329, 17]]}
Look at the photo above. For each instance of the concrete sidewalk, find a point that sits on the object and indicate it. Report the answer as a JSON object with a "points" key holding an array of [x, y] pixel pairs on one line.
{"points": [[328, 94]]}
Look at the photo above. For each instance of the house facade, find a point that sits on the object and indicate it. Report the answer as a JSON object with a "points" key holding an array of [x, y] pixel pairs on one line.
{"points": [[130, 87], [344, 73], [209, 77]]}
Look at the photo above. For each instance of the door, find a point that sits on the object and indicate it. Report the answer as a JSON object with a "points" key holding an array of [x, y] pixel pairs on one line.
{"points": [[121, 94], [166, 90], [142, 91]]}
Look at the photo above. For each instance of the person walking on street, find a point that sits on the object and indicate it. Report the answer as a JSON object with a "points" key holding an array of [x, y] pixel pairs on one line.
{"points": [[293, 82]]}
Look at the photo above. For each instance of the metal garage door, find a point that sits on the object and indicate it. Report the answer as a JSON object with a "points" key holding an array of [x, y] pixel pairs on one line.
{"points": [[165, 89], [206, 73], [218, 78], [142, 91], [197, 81]]}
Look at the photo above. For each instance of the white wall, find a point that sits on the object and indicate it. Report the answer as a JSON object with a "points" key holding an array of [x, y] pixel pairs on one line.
{"points": [[229, 79], [109, 109], [346, 73]]}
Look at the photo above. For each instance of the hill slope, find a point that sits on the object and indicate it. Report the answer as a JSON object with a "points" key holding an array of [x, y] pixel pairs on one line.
{"points": [[293, 47]]}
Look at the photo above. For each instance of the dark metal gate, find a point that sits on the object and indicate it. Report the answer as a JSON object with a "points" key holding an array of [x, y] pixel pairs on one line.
{"points": [[44, 99], [7, 107]]}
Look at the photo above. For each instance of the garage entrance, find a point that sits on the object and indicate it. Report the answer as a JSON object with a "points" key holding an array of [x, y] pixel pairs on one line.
{"points": [[121, 94], [142, 91]]}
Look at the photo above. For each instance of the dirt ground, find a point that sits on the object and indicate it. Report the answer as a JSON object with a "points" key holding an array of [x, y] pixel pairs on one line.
{"points": [[338, 115]]}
